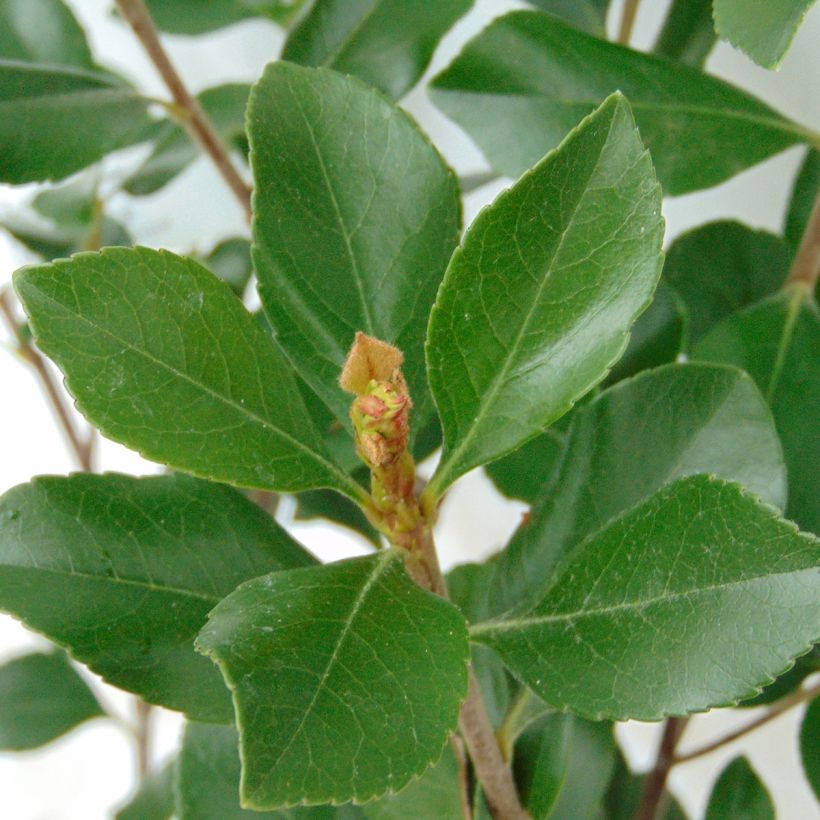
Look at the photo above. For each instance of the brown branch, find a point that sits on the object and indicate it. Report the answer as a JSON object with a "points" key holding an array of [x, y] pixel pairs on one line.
{"points": [[655, 787], [193, 116], [82, 449], [463, 768], [805, 269], [627, 21], [781, 706], [142, 737]]}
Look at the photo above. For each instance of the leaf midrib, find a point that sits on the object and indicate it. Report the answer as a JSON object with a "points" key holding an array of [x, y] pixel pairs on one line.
{"points": [[490, 627], [344, 480]]}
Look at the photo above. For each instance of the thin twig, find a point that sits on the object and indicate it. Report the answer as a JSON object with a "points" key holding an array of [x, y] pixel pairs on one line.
{"points": [[82, 449], [655, 787], [193, 117], [142, 737], [781, 706], [805, 269], [627, 21]]}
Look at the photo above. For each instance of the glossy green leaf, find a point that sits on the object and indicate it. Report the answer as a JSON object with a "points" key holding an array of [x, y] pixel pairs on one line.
{"points": [[435, 795], [162, 357], [536, 305], [360, 709], [355, 218], [688, 33], [563, 765], [41, 698], [154, 799], [123, 571], [201, 16], [804, 193], [587, 15], [208, 781], [679, 420], [657, 337], [230, 260], [42, 31], [777, 342], [693, 599], [386, 43], [175, 150], [524, 472], [739, 793], [721, 267], [56, 120], [763, 29], [810, 745], [524, 82]]}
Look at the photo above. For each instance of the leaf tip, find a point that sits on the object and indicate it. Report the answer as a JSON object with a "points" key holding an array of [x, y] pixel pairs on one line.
{"points": [[369, 359]]}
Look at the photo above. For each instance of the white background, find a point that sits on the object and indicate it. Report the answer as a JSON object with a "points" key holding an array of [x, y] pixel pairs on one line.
{"points": [[87, 773]]}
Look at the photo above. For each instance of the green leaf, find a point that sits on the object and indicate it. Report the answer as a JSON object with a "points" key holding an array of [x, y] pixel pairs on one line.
{"points": [[198, 17], [123, 572], [658, 336], [623, 797], [587, 15], [70, 206], [355, 218], [162, 357], [525, 472], [763, 29], [41, 698], [359, 710], [810, 745], [536, 305], [42, 31], [739, 793], [721, 267], [677, 421], [804, 192], [563, 765], [56, 243], [386, 43], [175, 150], [693, 599], [776, 342], [56, 120], [789, 681], [155, 798], [208, 781], [524, 81], [688, 33], [435, 795], [230, 260]]}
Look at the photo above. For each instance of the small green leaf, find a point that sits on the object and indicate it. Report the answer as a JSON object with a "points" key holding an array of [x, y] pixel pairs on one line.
{"points": [[563, 765], [208, 781], [739, 793], [628, 443], [69, 206], [721, 267], [524, 81], [536, 305], [41, 698], [810, 745], [776, 342], [154, 799], [355, 218], [688, 33], [763, 29], [804, 193], [658, 336], [123, 571], [42, 31], [162, 357], [56, 120], [230, 260], [198, 17], [386, 43], [694, 599], [359, 710], [174, 150], [587, 15]]}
